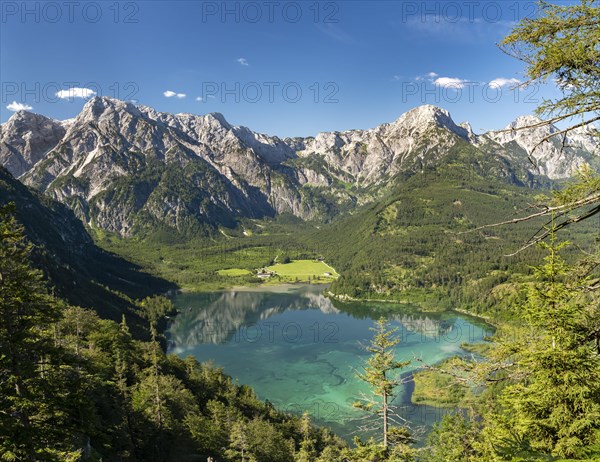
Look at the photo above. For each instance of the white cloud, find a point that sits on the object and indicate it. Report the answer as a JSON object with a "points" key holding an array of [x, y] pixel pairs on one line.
{"points": [[75, 92], [14, 106], [502, 82], [199, 98], [450, 82], [396, 78], [429, 76], [243, 61], [171, 94]]}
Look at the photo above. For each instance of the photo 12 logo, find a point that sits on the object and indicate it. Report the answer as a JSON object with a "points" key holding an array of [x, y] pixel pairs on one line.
{"points": [[52, 92], [462, 90], [271, 92], [69, 12], [273, 332], [466, 11], [270, 12]]}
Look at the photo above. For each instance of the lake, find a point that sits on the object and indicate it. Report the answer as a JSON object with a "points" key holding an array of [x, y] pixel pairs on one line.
{"points": [[300, 350]]}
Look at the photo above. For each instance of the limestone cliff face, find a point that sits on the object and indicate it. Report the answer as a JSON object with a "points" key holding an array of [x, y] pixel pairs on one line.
{"points": [[123, 167], [557, 158]]}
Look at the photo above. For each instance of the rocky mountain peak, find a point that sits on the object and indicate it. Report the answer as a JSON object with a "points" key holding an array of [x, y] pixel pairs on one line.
{"points": [[553, 157], [523, 128], [212, 119], [126, 164], [26, 119], [586, 137], [527, 124], [424, 117], [467, 126], [25, 138], [473, 138], [217, 116], [524, 121], [103, 106]]}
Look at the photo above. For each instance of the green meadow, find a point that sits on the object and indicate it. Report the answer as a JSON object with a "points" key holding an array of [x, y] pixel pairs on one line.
{"points": [[303, 271]]}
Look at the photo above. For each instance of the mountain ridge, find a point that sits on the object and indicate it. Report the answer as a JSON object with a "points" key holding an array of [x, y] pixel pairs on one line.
{"points": [[126, 168]]}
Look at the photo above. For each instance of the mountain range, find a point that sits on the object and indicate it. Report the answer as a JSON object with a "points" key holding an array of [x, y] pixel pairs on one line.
{"points": [[127, 168]]}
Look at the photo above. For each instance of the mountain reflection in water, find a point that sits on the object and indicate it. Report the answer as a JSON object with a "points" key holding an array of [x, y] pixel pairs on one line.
{"points": [[216, 317]]}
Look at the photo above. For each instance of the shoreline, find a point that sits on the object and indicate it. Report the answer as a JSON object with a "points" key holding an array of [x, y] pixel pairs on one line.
{"points": [[289, 286], [285, 286]]}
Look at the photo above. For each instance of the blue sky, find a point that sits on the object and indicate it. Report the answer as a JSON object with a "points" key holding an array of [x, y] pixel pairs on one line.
{"points": [[282, 68]]}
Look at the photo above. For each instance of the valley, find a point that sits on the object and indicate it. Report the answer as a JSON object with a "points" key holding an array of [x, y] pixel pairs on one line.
{"points": [[248, 233], [389, 208]]}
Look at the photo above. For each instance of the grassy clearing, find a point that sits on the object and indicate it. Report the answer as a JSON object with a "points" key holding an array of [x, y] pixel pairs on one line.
{"points": [[303, 271], [234, 272], [197, 265]]}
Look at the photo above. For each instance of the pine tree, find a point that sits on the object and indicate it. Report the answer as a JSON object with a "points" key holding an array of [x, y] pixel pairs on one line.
{"points": [[153, 309], [380, 372], [239, 448], [307, 451], [454, 438]]}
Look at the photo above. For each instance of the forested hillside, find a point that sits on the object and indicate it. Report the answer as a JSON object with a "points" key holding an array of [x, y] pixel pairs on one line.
{"points": [[80, 272]]}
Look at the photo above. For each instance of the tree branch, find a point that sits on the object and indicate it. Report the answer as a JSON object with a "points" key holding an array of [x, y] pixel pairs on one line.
{"points": [[547, 211], [561, 225]]}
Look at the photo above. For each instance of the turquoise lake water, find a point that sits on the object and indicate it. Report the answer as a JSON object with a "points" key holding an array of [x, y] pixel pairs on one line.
{"points": [[300, 350]]}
